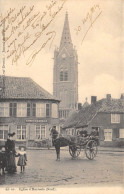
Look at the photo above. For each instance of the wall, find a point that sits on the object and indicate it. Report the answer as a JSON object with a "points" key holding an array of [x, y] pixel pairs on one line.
{"points": [[103, 120], [30, 123]]}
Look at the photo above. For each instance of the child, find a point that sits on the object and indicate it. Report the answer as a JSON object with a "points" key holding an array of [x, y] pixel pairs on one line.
{"points": [[3, 160], [22, 158]]}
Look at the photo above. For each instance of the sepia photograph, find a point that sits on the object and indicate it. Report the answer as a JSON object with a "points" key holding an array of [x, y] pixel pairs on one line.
{"points": [[61, 96]]}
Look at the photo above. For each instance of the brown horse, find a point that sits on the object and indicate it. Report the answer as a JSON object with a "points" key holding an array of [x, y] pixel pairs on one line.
{"points": [[59, 142]]}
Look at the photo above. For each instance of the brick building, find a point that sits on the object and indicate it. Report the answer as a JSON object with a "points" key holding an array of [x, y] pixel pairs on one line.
{"points": [[26, 109], [106, 115]]}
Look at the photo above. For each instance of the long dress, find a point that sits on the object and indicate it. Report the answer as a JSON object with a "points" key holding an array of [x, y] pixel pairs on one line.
{"points": [[22, 158], [10, 152]]}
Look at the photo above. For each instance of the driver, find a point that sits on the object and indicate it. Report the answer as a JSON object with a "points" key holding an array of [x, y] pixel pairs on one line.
{"points": [[94, 132], [54, 133]]}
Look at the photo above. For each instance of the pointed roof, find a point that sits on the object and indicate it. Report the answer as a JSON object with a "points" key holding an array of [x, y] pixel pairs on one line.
{"points": [[85, 104], [24, 88], [66, 36]]}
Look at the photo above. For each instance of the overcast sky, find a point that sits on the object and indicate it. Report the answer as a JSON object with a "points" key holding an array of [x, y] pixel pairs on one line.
{"points": [[100, 67]]}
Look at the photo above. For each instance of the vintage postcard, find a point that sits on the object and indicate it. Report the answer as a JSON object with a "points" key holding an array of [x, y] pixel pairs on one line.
{"points": [[61, 96]]}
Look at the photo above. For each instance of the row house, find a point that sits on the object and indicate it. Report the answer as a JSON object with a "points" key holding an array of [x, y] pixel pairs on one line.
{"points": [[105, 115], [26, 109]]}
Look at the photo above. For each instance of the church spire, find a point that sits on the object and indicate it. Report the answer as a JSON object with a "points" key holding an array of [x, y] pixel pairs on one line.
{"points": [[66, 36]]}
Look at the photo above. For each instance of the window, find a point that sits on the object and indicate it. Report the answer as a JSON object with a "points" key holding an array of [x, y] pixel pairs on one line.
{"points": [[63, 113], [4, 109], [40, 132], [108, 134], [66, 75], [47, 110], [21, 110], [54, 110], [3, 132], [28, 109], [60, 114], [21, 132], [70, 131], [121, 133], [40, 110], [115, 118], [63, 75], [13, 109], [34, 109]]}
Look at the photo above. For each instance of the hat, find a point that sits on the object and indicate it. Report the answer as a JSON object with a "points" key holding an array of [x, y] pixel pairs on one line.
{"points": [[22, 147], [11, 134]]}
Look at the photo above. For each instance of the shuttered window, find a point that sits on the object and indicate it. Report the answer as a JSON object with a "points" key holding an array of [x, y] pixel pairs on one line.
{"points": [[4, 109], [40, 110], [21, 110]]}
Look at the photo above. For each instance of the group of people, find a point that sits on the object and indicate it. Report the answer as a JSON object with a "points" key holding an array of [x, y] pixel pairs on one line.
{"points": [[8, 154], [84, 133]]}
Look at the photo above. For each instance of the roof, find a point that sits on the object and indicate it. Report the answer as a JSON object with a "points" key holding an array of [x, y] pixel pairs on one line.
{"points": [[85, 104], [83, 117], [23, 88]]}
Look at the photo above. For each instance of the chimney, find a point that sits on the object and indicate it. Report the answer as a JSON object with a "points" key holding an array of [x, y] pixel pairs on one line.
{"points": [[1, 91], [93, 99], [122, 99], [122, 96], [108, 97]]}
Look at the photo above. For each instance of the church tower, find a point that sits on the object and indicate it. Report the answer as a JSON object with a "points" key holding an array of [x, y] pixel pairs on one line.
{"points": [[65, 73]]}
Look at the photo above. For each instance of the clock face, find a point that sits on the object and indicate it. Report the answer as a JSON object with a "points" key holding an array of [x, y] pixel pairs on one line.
{"points": [[64, 55]]}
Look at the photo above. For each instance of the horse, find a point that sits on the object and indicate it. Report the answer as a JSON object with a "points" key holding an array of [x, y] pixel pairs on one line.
{"points": [[59, 141]]}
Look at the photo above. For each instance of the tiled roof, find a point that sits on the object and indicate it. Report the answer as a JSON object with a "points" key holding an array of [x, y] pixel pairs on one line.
{"points": [[23, 88], [83, 117]]}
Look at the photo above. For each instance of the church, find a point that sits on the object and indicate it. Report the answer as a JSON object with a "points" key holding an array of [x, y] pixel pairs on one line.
{"points": [[65, 74]]}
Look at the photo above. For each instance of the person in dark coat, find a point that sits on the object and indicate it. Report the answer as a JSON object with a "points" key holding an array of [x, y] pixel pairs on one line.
{"points": [[10, 153], [2, 160], [54, 133], [94, 132]]}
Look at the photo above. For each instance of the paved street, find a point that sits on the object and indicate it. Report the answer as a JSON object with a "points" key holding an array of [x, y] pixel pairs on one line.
{"points": [[42, 170]]}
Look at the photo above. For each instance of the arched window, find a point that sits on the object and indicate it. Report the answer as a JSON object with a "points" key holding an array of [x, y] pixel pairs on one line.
{"points": [[61, 75], [64, 75]]}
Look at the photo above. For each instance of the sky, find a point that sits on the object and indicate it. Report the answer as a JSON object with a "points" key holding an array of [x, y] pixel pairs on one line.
{"points": [[100, 50]]}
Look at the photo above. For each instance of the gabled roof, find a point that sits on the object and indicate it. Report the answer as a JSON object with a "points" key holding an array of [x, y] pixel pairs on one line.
{"points": [[83, 117], [23, 88]]}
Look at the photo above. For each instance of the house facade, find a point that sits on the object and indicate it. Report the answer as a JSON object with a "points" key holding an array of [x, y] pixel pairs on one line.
{"points": [[106, 115], [26, 109]]}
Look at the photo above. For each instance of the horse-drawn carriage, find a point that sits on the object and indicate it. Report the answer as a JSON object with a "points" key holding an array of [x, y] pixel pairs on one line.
{"points": [[76, 143], [88, 144]]}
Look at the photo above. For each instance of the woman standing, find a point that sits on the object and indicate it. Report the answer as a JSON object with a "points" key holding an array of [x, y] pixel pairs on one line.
{"points": [[10, 152]]}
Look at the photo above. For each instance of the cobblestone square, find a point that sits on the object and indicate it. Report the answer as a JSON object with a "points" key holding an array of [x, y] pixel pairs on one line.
{"points": [[43, 170]]}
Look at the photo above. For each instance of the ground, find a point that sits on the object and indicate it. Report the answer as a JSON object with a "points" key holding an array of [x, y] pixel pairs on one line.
{"points": [[43, 170]]}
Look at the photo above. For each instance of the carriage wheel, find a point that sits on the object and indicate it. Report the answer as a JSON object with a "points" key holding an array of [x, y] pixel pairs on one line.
{"points": [[74, 151], [91, 149]]}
